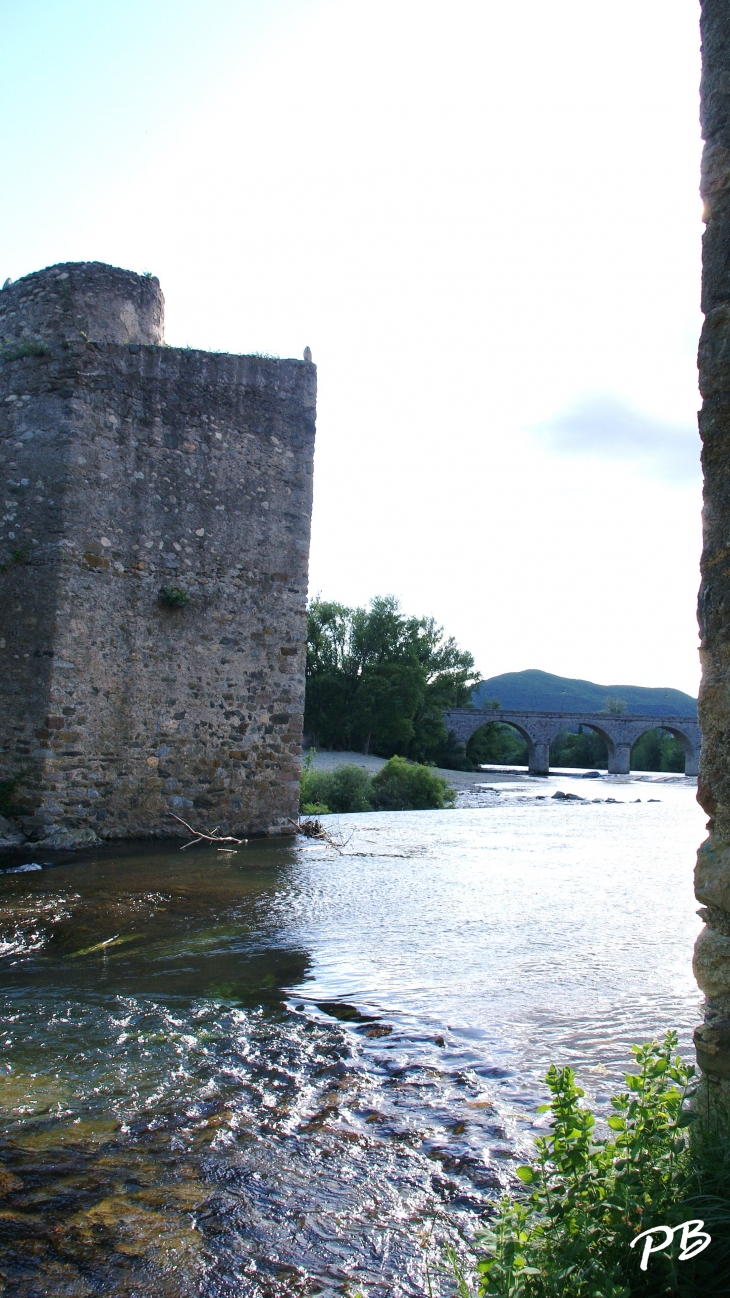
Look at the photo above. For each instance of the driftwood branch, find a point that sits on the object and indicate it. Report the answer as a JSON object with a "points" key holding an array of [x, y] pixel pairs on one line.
{"points": [[313, 828], [212, 837]]}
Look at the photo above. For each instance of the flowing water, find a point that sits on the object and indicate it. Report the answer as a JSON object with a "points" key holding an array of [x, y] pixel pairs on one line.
{"points": [[271, 1073]]}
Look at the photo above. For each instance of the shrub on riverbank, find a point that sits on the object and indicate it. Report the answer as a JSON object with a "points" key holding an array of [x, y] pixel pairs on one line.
{"points": [[405, 786], [345, 789], [587, 1200], [399, 786]]}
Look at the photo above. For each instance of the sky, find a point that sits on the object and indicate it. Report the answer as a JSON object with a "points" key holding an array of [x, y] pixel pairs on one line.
{"points": [[484, 220]]}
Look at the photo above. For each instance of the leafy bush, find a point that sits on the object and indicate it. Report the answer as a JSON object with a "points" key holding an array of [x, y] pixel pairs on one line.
{"points": [[571, 1232], [345, 789], [399, 786], [406, 786]]}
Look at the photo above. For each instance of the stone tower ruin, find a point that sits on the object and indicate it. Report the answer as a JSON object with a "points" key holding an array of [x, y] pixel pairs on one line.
{"points": [[130, 468]]}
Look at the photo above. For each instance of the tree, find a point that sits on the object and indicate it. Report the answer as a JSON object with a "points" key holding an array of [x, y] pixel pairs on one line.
{"points": [[616, 707], [378, 681]]}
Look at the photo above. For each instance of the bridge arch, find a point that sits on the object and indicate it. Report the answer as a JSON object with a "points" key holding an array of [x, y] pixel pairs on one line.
{"points": [[691, 754], [540, 729], [597, 729], [515, 726]]}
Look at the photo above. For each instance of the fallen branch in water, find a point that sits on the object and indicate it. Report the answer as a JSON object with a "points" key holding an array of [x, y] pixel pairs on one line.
{"points": [[212, 837], [313, 828]]}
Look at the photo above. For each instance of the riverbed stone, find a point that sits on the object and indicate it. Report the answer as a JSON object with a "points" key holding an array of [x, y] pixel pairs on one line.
{"points": [[154, 547]]}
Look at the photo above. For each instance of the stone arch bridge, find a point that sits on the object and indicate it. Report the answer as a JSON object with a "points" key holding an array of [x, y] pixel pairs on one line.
{"points": [[540, 729]]}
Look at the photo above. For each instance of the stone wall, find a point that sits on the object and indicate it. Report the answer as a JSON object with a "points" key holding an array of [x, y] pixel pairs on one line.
{"points": [[712, 879], [127, 467]]}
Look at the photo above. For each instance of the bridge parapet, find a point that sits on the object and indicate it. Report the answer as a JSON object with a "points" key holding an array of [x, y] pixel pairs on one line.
{"points": [[540, 729]]}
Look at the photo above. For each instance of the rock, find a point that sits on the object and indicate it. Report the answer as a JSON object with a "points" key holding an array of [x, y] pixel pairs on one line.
{"points": [[712, 1043], [711, 963], [9, 836], [712, 874], [591, 775], [70, 838]]}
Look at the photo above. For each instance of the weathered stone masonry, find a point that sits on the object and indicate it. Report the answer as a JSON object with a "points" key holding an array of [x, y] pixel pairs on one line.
{"points": [[127, 466], [712, 879]]}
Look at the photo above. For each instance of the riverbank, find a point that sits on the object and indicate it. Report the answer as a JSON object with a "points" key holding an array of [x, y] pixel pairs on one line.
{"points": [[482, 788]]}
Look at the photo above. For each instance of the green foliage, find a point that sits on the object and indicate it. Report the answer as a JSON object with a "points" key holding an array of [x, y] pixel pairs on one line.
{"points": [[378, 681], [586, 749], [18, 554], [615, 707], [657, 750], [586, 1199], [399, 786], [345, 789], [406, 786], [14, 351], [497, 744], [173, 597]]}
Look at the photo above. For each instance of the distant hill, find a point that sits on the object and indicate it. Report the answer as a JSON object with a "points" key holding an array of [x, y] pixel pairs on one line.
{"points": [[544, 692]]}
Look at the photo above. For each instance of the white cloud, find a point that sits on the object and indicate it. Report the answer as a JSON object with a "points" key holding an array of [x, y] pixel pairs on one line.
{"points": [[602, 426]]}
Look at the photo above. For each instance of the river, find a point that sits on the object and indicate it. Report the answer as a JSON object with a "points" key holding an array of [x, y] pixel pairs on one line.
{"points": [[294, 1069]]}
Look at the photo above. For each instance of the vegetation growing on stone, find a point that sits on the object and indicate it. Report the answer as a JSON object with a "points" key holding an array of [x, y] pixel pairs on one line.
{"points": [[173, 597], [17, 555], [14, 351]]}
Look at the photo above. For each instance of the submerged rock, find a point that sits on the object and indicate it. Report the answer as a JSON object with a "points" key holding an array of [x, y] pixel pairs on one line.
{"points": [[58, 838]]}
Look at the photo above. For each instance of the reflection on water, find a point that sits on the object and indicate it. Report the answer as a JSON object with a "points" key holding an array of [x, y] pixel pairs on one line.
{"points": [[264, 1074]]}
